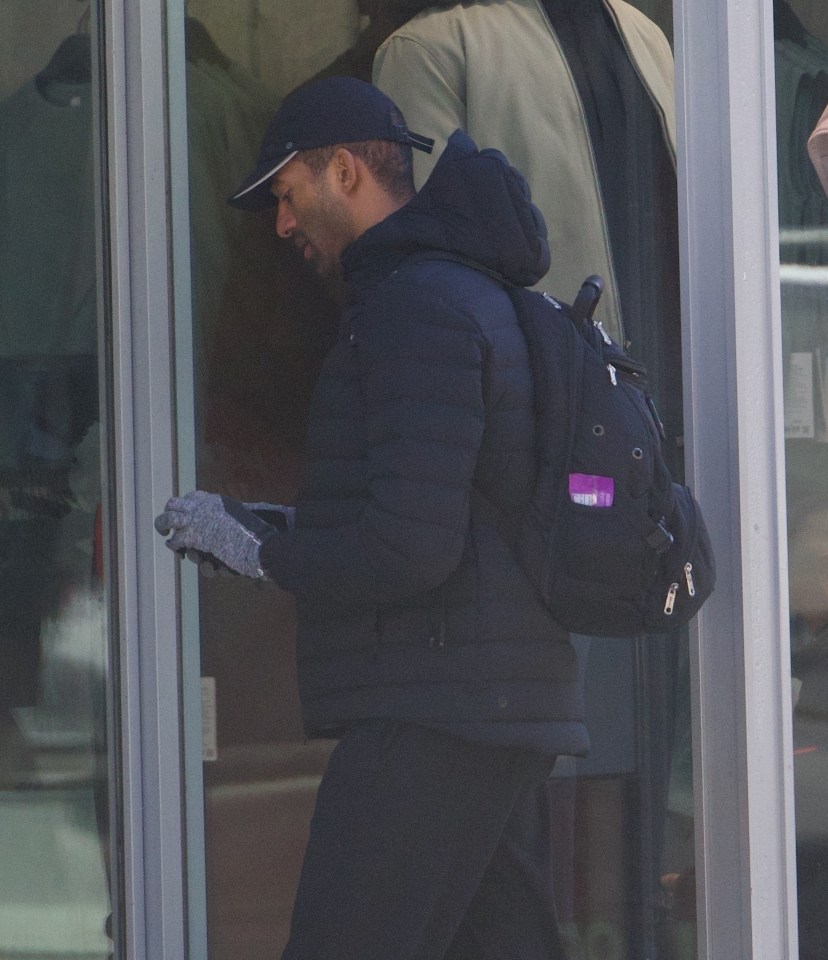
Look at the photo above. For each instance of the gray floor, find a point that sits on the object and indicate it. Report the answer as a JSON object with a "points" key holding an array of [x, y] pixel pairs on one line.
{"points": [[53, 894]]}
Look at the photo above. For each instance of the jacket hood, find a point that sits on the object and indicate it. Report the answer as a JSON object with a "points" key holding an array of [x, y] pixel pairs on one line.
{"points": [[474, 206]]}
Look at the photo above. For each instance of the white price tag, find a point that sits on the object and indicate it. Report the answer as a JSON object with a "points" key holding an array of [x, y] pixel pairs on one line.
{"points": [[209, 740], [799, 396]]}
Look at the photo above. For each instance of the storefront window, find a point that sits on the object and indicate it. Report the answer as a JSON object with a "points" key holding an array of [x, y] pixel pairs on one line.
{"points": [[57, 870], [801, 36], [261, 323], [623, 846]]}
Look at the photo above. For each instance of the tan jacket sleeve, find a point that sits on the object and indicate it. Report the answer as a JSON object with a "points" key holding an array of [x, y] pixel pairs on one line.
{"points": [[429, 88]]}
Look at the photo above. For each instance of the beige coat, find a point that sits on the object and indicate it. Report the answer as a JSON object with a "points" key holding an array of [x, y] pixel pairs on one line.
{"points": [[496, 69]]}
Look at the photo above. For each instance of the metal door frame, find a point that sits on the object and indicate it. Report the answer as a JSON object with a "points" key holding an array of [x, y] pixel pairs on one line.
{"points": [[741, 677], [732, 348]]}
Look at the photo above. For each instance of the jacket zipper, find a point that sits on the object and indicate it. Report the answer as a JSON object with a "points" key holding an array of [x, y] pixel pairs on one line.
{"points": [[438, 635]]}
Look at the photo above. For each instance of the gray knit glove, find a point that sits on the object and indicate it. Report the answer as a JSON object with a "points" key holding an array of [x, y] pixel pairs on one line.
{"points": [[215, 526]]}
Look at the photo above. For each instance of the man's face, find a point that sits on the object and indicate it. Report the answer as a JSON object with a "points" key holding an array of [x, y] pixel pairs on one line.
{"points": [[312, 215]]}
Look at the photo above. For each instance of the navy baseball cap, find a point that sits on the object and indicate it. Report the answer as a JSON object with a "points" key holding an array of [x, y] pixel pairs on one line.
{"points": [[320, 114]]}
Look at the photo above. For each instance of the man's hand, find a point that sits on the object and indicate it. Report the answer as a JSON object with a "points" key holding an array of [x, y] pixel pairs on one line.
{"points": [[218, 526]]}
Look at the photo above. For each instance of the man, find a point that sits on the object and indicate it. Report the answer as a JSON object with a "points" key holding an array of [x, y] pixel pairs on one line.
{"points": [[420, 643]]}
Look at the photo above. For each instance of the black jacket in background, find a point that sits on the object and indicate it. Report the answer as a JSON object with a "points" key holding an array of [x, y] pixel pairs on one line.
{"points": [[410, 605]]}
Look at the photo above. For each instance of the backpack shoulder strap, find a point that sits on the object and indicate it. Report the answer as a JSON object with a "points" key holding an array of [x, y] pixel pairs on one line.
{"points": [[421, 255]]}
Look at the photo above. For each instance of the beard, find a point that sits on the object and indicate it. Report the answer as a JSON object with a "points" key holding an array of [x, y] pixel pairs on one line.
{"points": [[327, 230]]}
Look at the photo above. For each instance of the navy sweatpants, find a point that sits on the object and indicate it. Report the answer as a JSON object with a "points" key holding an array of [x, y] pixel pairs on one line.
{"points": [[424, 846]]}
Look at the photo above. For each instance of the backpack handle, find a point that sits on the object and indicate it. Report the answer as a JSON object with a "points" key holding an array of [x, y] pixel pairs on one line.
{"points": [[587, 300]]}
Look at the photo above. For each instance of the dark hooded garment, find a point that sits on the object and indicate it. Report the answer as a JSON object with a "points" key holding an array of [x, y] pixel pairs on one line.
{"points": [[410, 605]]}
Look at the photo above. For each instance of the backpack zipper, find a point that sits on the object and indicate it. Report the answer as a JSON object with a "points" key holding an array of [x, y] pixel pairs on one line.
{"points": [[687, 571], [670, 602], [688, 576]]}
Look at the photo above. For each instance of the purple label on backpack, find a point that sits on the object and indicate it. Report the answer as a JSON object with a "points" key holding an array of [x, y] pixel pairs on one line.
{"points": [[591, 491]]}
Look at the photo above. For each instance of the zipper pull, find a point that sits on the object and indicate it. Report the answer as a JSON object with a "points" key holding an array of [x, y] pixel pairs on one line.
{"points": [[555, 303], [613, 378], [603, 332], [688, 574], [671, 599]]}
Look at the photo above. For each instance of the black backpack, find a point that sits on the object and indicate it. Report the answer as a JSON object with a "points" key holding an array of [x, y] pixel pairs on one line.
{"points": [[611, 544]]}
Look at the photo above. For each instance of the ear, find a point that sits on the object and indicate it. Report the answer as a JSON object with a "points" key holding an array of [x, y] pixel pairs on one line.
{"points": [[344, 168]]}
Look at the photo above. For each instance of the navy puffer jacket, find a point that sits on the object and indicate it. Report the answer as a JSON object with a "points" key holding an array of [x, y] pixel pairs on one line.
{"points": [[411, 606]]}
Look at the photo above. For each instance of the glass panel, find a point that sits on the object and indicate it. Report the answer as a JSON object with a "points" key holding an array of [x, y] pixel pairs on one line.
{"points": [[623, 841], [58, 868], [802, 96], [262, 323]]}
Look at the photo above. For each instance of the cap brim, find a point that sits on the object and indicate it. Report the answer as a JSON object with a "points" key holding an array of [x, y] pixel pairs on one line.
{"points": [[254, 191]]}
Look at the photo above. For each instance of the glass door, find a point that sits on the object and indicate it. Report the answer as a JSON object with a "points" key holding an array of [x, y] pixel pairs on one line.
{"points": [[59, 873], [261, 324], [801, 42]]}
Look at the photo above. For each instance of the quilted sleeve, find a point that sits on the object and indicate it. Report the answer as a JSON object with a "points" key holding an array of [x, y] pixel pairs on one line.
{"points": [[420, 375]]}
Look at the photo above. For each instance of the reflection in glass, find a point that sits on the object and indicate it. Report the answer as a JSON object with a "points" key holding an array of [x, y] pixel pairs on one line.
{"points": [[262, 323], [54, 830], [801, 32]]}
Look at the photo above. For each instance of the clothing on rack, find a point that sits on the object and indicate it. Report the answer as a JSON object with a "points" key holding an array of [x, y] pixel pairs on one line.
{"points": [[256, 353], [48, 348], [801, 96]]}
